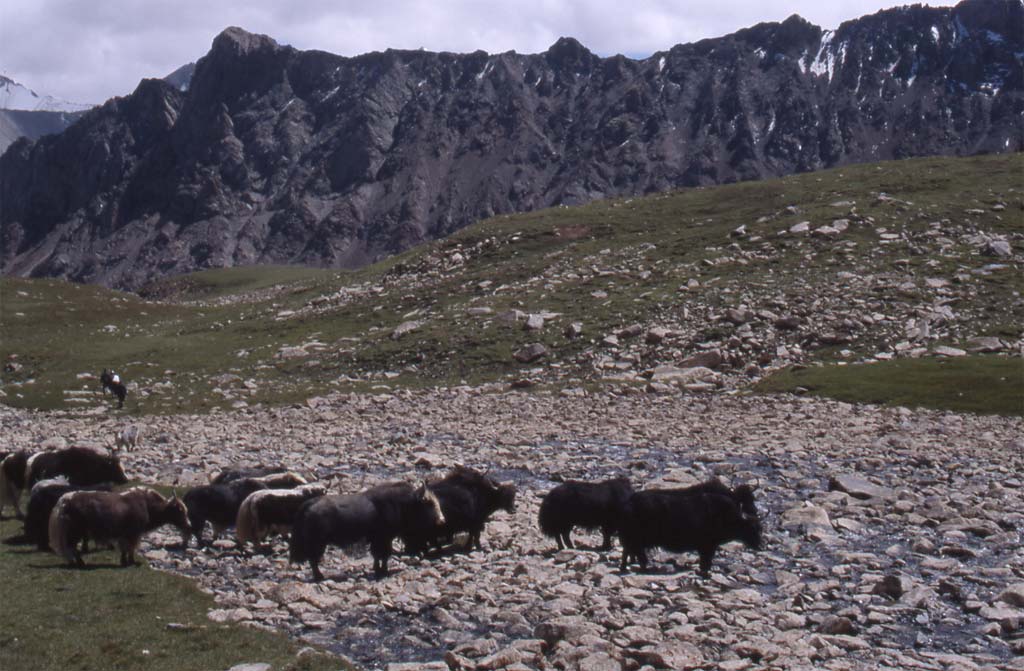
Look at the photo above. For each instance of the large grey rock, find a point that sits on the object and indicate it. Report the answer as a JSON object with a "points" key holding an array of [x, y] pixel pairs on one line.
{"points": [[1013, 595], [806, 515], [858, 487], [530, 353]]}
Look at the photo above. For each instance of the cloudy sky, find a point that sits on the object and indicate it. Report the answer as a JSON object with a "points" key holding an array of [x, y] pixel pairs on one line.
{"points": [[90, 51]]}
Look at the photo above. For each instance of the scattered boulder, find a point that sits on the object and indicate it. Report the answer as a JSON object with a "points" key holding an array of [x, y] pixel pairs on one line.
{"points": [[944, 350], [806, 515], [656, 335], [530, 353], [858, 487], [985, 344], [835, 625], [711, 359], [631, 331], [405, 328], [999, 248]]}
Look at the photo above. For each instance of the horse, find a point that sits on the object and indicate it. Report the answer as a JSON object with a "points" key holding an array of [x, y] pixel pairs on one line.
{"points": [[116, 388]]}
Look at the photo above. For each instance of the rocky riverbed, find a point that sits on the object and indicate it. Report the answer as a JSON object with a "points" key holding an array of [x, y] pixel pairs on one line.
{"points": [[893, 536]]}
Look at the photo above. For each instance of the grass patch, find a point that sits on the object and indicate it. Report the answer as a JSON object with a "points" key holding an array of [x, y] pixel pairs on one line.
{"points": [[979, 384], [217, 282], [106, 617], [226, 337]]}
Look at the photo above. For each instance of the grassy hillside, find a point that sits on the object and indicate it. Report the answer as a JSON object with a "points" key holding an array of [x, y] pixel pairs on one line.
{"points": [[897, 260], [106, 617]]}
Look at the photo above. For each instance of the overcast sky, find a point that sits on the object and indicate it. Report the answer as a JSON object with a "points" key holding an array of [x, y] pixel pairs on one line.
{"points": [[87, 52]]}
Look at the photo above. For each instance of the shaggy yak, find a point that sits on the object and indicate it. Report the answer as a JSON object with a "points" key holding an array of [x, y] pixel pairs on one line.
{"points": [[219, 504], [376, 516], [680, 520], [121, 518], [270, 511], [591, 505], [41, 502], [468, 498]]}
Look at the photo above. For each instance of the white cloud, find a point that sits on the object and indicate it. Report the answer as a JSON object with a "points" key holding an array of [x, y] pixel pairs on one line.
{"points": [[90, 51]]}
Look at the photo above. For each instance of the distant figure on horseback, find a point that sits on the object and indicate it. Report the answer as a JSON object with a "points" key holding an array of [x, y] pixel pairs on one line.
{"points": [[111, 382]]}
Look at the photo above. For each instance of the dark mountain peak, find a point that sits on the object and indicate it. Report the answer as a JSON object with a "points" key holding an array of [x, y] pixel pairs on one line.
{"points": [[239, 42], [239, 64], [567, 52], [796, 31], [999, 16]]}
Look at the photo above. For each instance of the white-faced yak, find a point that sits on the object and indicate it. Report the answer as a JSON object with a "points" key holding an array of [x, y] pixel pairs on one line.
{"points": [[270, 511]]}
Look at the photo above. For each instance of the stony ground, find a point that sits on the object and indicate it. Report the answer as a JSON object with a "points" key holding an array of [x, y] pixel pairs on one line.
{"points": [[913, 560]]}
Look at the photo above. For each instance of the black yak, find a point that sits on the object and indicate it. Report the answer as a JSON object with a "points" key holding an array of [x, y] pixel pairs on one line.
{"points": [[219, 504], [105, 516], [272, 511], [468, 498], [13, 474], [682, 520], [227, 475], [80, 465], [41, 502], [377, 516], [591, 505]]}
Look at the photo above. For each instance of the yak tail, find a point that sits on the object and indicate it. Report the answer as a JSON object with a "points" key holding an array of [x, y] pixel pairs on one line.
{"points": [[247, 525], [6, 489], [297, 543], [10, 492], [58, 530], [545, 521]]}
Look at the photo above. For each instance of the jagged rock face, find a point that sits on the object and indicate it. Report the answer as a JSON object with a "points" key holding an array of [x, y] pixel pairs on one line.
{"points": [[274, 155]]}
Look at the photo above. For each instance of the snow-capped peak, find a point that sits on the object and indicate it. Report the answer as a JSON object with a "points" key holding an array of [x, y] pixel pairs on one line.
{"points": [[14, 96]]}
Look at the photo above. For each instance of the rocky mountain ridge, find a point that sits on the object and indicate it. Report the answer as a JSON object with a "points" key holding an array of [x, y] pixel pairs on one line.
{"points": [[274, 155]]}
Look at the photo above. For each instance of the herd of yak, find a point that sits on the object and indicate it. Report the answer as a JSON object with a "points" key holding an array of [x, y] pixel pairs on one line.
{"points": [[73, 499]]}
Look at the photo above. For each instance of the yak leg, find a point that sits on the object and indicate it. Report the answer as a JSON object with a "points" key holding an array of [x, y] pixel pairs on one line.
{"points": [[568, 538], [706, 556], [607, 541], [76, 556], [13, 495], [627, 554], [198, 525], [315, 554], [218, 530], [314, 565], [127, 547], [380, 549]]}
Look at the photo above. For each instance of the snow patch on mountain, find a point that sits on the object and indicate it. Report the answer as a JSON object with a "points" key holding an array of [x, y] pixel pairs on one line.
{"points": [[15, 96]]}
